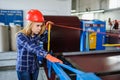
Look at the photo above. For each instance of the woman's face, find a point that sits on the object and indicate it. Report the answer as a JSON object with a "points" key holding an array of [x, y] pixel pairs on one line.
{"points": [[36, 27]]}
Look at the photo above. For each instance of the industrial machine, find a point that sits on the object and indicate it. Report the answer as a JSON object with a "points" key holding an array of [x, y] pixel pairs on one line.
{"points": [[69, 35], [92, 35]]}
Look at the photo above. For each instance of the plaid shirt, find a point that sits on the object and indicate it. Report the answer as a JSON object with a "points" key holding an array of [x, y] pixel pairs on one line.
{"points": [[27, 48]]}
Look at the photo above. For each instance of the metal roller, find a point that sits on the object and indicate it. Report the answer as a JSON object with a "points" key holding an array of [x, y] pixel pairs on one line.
{"points": [[63, 39]]}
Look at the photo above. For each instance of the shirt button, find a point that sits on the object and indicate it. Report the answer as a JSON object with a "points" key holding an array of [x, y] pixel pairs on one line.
{"points": [[41, 54]]}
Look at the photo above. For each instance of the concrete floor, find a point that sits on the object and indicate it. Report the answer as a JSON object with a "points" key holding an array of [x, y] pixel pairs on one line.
{"points": [[7, 67], [11, 75]]}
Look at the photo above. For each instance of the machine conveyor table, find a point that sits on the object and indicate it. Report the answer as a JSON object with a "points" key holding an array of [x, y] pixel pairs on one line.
{"points": [[111, 77], [101, 64]]}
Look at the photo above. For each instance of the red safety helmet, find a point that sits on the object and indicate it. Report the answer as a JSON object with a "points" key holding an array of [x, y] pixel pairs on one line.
{"points": [[35, 16]]}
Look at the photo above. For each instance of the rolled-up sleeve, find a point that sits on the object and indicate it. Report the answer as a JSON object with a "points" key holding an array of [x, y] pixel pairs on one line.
{"points": [[30, 45]]}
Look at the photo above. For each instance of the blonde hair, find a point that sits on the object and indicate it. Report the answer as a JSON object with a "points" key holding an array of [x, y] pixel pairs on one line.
{"points": [[27, 30]]}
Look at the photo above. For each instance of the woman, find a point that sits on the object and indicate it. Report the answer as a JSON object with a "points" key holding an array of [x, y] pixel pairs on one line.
{"points": [[28, 46]]}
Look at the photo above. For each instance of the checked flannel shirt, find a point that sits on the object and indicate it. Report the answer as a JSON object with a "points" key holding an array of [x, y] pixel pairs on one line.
{"points": [[27, 48]]}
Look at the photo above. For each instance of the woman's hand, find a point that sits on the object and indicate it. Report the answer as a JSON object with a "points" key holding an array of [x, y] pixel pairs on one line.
{"points": [[53, 59], [47, 24]]}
